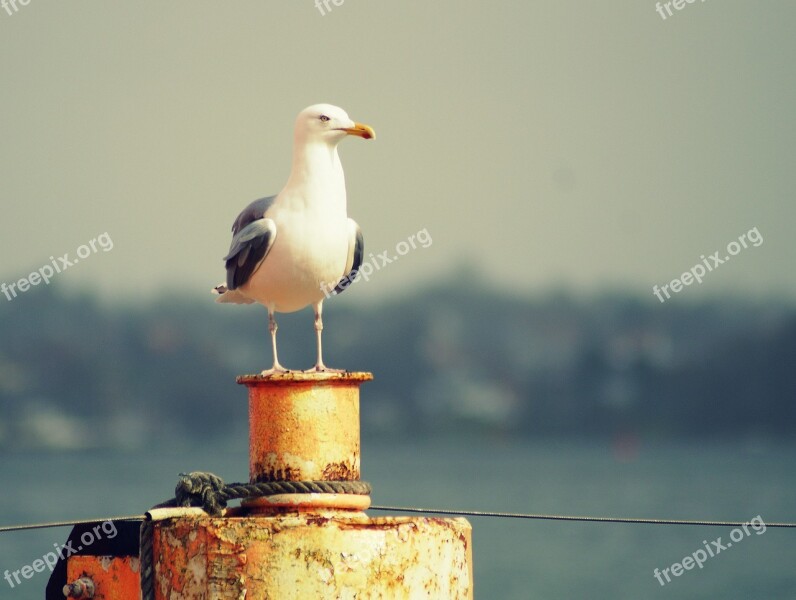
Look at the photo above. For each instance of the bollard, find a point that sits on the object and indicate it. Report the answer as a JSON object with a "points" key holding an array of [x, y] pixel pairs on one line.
{"points": [[302, 427], [305, 427]]}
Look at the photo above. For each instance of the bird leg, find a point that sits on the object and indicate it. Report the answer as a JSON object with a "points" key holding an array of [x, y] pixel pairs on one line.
{"points": [[272, 327], [319, 366]]}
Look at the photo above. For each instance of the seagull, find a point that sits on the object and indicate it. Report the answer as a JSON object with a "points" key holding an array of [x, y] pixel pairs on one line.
{"points": [[289, 251]]}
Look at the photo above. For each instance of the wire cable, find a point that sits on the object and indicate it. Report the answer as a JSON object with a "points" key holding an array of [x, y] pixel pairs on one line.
{"points": [[478, 513], [450, 512], [69, 523]]}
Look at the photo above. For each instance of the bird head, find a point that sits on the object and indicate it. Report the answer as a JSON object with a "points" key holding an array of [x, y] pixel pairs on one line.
{"points": [[328, 123]]}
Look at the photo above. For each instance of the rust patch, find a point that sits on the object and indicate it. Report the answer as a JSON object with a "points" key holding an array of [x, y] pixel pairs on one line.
{"points": [[463, 540], [115, 578], [286, 474], [317, 520], [340, 471]]}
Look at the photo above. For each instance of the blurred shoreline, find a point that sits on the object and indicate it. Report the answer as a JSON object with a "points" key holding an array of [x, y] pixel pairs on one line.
{"points": [[451, 360]]}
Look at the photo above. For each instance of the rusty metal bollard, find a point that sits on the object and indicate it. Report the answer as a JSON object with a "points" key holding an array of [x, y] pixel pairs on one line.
{"points": [[305, 427], [302, 427]]}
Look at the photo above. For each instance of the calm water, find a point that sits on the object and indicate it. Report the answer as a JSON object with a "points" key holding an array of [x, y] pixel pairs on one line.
{"points": [[513, 559]]}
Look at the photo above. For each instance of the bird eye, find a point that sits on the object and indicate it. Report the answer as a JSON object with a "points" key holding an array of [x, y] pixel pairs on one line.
{"points": [[324, 118]]}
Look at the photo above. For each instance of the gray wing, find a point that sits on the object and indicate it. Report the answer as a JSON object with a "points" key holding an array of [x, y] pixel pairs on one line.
{"points": [[253, 237], [255, 210], [356, 250]]}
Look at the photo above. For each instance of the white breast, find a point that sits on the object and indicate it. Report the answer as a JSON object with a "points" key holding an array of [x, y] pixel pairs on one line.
{"points": [[309, 253]]}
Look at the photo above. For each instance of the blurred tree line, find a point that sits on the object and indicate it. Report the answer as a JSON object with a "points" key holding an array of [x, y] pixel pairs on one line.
{"points": [[451, 359]]}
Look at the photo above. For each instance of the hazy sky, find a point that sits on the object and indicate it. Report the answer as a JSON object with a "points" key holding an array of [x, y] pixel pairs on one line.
{"points": [[558, 143]]}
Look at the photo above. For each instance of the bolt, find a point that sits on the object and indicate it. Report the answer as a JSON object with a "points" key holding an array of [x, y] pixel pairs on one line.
{"points": [[81, 589]]}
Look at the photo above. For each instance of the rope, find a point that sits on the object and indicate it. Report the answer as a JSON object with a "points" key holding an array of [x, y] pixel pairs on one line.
{"points": [[210, 493], [147, 562]]}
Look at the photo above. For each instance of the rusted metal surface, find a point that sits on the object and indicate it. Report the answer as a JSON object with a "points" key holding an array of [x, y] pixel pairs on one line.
{"points": [[267, 504], [325, 554], [114, 578], [304, 426]]}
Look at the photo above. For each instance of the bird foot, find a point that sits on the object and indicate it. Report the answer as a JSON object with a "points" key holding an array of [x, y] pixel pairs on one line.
{"points": [[322, 368], [276, 369]]}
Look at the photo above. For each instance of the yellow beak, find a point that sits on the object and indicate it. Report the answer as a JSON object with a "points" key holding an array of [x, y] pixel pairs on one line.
{"points": [[361, 130]]}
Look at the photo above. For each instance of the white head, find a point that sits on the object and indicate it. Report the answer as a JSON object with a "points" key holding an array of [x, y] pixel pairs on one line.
{"points": [[328, 123]]}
